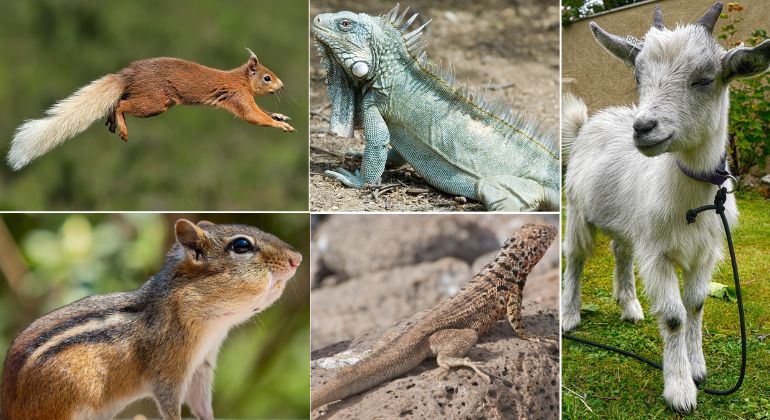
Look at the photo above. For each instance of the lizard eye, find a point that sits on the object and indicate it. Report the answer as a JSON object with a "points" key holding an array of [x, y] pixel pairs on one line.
{"points": [[267, 78], [241, 246], [345, 24]]}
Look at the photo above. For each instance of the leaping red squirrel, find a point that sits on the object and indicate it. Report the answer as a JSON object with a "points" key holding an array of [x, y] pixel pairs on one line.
{"points": [[144, 89]]}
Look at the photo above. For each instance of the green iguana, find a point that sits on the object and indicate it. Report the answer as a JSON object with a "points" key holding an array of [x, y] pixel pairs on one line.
{"points": [[378, 76]]}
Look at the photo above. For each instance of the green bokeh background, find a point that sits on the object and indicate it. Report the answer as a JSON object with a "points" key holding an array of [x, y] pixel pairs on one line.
{"points": [[188, 158], [50, 260]]}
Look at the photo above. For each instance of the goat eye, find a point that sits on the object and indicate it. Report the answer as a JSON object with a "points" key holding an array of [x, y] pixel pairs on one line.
{"points": [[267, 78], [241, 246], [702, 82]]}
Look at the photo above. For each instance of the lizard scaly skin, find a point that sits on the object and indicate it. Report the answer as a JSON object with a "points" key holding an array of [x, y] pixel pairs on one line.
{"points": [[454, 326], [412, 111]]}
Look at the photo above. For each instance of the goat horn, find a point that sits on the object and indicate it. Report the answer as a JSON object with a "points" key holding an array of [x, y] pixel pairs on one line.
{"points": [[709, 20], [657, 19]]}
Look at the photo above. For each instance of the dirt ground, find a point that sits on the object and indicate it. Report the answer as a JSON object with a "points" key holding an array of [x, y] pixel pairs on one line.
{"points": [[511, 44], [375, 274]]}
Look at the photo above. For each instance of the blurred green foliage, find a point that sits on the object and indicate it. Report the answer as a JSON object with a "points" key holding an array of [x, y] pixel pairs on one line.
{"points": [[264, 366], [749, 101], [187, 158], [572, 10]]}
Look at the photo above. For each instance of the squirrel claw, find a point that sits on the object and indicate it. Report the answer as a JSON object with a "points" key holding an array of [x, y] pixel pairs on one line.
{"points": [[286, 127], [279, 117]]}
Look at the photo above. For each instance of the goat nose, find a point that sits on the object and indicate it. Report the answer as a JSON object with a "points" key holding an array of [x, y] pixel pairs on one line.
{"points": [[644, 126]]}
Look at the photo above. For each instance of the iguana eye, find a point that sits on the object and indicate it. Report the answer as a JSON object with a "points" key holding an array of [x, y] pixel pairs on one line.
{"points": [[345, 24]]}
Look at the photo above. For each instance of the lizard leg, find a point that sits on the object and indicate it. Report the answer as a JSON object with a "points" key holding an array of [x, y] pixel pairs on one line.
{"points": [[449, 346], [375, 152], [510, 193], [513, 312]]}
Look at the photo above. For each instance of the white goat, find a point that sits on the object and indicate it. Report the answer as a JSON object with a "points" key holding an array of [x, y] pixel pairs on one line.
{"points": [[633, 172]]}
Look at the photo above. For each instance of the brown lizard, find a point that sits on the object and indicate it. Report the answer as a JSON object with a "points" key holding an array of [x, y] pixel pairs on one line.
{"points": [[453, 327]]}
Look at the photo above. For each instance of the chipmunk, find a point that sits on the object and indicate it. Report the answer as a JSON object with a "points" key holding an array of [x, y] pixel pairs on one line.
{"points": [[89, 359], [144, 89]]}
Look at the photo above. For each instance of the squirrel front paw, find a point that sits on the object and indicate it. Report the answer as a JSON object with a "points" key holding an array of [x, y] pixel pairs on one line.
{"points": [[279, 117], [285, 127]]}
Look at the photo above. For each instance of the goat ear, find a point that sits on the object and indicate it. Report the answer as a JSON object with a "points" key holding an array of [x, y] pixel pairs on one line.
{"points": [[745, 62], [619, 47]]}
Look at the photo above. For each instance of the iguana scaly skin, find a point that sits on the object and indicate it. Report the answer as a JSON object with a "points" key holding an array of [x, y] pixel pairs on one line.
{"points": [[378, 76], [449, 330]]}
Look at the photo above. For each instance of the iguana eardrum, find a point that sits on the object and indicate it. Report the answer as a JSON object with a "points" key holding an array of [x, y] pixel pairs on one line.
{"points": [[378, 76]]}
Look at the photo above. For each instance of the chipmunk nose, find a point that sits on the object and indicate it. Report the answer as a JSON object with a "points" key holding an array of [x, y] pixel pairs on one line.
{"points": [[295, 258]]}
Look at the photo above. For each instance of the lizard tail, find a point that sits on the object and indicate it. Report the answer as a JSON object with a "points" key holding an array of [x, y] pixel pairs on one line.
{"points": [[67, 118], [386, 363], [574, 114]]}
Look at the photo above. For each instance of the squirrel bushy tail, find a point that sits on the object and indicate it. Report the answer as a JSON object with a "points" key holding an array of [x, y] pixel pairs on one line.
{"points": [[65, 119]]}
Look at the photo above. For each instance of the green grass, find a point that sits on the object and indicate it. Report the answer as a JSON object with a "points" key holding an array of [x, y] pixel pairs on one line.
{"points": [[614, 386]]}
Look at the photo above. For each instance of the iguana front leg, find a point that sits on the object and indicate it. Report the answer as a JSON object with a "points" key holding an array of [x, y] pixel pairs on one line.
{"points": [[394, 160], [375, 152]]}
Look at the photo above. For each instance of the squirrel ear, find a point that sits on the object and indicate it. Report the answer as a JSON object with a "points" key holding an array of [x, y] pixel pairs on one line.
{"points": [[252, 64], [191, 236], [204, 223]]}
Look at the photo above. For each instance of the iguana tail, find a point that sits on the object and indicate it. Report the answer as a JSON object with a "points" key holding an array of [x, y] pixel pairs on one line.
{"points": [[574, 113]]}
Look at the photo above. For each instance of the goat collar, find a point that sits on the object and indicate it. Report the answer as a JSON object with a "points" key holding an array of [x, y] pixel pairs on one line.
{"points": [[716, 176]]}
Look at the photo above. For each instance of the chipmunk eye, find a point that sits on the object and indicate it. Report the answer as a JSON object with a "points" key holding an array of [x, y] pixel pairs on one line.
{"points": [[267, 78], [241, 246]]}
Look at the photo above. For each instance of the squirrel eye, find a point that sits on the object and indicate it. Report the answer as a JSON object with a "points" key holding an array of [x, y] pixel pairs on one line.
{"points": [[241, 246], [267, 78]]}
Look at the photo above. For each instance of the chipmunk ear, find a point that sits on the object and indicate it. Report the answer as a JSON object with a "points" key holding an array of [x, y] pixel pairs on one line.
{"points": [[252, 64], [192, 237]]}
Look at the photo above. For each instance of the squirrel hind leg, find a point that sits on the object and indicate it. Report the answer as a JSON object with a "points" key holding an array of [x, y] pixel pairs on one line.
{"points": [[111, 121], [122, 127]]}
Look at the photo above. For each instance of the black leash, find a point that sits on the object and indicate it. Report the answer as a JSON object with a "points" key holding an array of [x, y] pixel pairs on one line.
{"points": [[691, 215]]}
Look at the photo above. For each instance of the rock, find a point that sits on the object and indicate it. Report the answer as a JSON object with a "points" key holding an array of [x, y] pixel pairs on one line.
{"points": [[525, 377], [766, 179], [355, 245], [360, 304]]}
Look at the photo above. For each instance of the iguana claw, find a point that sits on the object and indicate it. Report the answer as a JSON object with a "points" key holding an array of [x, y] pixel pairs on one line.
{"points": [[345, 177]]}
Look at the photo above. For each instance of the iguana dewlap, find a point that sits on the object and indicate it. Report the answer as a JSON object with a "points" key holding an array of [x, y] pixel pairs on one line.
{"points": [[378, 76]]}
